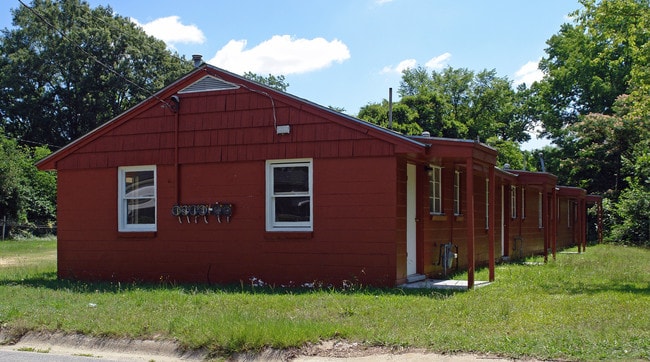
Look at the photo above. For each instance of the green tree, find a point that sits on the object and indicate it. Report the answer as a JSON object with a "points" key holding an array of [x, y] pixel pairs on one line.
{"points": [[508, 153], [27, 196], [631, 214], [590, 62], [459, 103], [10, 179], [403, 117], [275, 82], [599, 144], [66, 68]]}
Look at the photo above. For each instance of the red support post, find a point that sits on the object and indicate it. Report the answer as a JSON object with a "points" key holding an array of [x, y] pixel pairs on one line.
{"points": [[469, 190], [546, 224], [491, 220], [583, 223], [553, 214]]}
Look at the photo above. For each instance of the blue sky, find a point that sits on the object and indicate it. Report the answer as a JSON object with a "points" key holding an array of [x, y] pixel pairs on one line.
{"points": [[347, 53]]}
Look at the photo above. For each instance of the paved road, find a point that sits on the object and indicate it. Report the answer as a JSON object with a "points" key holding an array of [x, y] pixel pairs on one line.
{"points": [[57, 354], [23, 356]]}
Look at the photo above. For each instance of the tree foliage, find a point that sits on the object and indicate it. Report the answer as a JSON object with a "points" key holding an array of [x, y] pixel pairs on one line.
{"points": [[275, 82], [66, 68], [403, 117], [594, 101], [26, 194], [591, 61], [460, 103]]}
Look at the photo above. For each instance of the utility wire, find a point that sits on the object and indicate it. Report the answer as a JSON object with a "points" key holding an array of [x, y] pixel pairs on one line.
{"points": [[94, 58], [28, 141]]}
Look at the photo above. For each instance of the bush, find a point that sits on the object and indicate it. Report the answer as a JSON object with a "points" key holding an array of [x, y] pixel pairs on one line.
{"points": [[27, 195], [632, 213]]}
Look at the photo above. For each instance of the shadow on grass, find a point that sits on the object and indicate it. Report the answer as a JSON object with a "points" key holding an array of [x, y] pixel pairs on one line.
{"points": [[592, 289], [49, 280]]}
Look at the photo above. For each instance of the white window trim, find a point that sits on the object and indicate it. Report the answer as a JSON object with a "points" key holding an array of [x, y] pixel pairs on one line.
{"points": [[298, 226], [457, 193], [513, 202], [435, 192], [121, 200]]}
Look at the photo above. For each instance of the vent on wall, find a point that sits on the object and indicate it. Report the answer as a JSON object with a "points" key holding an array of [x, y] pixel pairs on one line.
{"points": [[209, 84]]}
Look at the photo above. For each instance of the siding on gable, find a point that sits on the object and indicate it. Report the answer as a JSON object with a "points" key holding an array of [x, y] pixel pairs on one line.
{"points": [[227, 126]]}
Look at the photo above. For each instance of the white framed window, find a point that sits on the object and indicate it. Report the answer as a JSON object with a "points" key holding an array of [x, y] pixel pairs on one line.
{"points": [[435, 190], [137, 198], [487, 204], [457, 193], [513, 202], [540, 210], [523, 203], [289, 195]]}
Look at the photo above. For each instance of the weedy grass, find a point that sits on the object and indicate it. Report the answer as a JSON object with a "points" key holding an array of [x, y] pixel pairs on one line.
{"points": [[585, 306]]}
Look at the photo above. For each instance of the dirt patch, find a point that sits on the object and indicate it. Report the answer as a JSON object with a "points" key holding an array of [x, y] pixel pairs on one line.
{"points": [[123, 349], [10, 261]]}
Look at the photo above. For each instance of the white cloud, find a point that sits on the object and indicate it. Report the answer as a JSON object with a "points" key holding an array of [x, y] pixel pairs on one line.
{"points": [[528, 74], [282, 54], [382, 2], [172, 31], [438, 62], [403, 65], [434, 63]]}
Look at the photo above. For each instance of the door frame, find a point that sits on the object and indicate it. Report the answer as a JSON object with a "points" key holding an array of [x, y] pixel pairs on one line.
{"points": [[411, 221]]}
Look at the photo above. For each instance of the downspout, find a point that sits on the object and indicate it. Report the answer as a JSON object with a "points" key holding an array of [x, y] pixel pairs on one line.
{"points": [[176, 110]]}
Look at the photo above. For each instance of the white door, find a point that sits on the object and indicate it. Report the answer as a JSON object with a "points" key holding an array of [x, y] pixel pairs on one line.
{"points": [[411, 251]]}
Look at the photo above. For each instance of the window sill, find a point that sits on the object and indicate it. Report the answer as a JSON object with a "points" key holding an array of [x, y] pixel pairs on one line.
{"points": [[438, 217], [288, 235], [136, 234]]}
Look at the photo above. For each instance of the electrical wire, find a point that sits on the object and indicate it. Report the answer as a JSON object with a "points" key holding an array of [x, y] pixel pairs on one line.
{"points": [[112, 70], [275, 120], [91, 56], [22, 140], [261, 92]]}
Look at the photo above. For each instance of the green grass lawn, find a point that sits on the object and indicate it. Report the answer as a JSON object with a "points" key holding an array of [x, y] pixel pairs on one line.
{"points": [[587, 306]]}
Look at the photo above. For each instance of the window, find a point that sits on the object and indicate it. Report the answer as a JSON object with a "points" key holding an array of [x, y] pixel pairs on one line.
{"points": [[289, 195], [540, 220], [523, 203], [456, 192], [487, 204], [435, 190], [513, 202], [137, 198]]}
